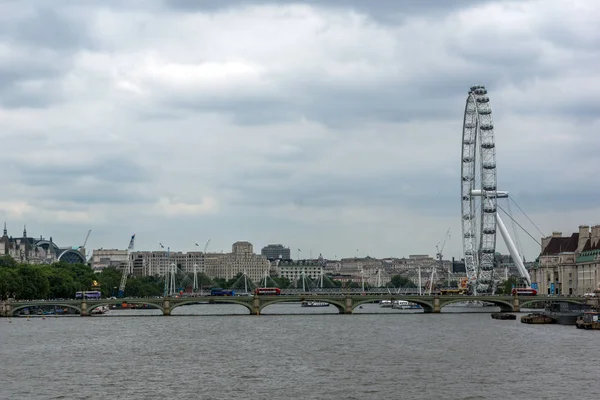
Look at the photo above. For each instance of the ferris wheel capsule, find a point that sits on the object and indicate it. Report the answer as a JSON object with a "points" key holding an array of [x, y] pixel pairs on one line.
{"points": [[478, 190]]}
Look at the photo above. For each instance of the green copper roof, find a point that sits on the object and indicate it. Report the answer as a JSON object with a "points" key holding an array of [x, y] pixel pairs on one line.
{"points": [[587, 256]]}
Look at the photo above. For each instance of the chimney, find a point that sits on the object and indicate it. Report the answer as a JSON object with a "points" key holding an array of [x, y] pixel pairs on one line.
{"points": [[584, 235], [556, 234], [545, 242], [595, 236]]}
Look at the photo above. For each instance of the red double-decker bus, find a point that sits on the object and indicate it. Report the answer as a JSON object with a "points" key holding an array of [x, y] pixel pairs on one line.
{"points": [[524, 292], [271, 291]]}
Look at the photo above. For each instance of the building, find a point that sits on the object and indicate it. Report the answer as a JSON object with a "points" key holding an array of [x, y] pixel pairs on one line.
{"points": [[31, 250], [103, 258], [241, 260], [275, 251], [216, 265], [294, 270], [569, 265], [458, 267], [157, 263]]}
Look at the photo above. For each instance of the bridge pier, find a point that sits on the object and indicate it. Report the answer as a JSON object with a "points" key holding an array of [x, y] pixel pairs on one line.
{"points": [[436, 305], [5, 309], [516, 306], [348, 305], [84, 309], [166, 307], [255, 305]]}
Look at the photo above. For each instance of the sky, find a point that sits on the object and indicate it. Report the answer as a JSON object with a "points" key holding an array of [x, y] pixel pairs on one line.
{"points": [[330, 127]]}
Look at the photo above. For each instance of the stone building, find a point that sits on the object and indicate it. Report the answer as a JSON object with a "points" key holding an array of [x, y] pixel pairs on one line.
{"points": [[31, 250], [276, 251], [216, 265], [569, 265]]}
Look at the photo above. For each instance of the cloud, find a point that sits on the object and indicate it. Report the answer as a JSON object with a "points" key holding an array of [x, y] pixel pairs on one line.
{"points": [[175, 207], [323, 125]]}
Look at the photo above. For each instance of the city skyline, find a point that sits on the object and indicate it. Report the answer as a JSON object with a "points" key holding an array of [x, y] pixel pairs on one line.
{"points": [[318, 126]]}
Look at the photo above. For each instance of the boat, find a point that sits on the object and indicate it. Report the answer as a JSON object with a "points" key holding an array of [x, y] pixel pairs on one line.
{"points": [[385, 304], [314, 304], [501, 315], [537, 318], [589, 320], [565, 313], [405, 305], [100, 310]]}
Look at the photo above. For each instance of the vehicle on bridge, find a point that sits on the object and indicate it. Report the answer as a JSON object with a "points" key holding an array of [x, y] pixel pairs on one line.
{"points": [[268, 291], [92, 294], [458, 291], [524, 292], [222, 292]]}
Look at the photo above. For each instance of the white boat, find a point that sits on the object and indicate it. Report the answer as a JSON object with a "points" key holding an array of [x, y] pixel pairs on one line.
{"points": [[314, 304], [405, 305], [100, 310], [385, 304]]}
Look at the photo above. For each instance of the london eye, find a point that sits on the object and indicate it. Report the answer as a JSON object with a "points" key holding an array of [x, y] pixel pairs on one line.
{"points": [[479, 194]]}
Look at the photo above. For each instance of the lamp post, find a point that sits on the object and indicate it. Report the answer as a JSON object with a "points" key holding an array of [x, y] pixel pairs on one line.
{"points": [[169, 275]]}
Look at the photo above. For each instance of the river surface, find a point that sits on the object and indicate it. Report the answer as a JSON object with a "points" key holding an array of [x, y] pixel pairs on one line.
{"points": [[280, 355]]}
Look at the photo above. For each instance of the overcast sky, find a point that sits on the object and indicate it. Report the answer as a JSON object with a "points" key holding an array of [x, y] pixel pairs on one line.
{"points": [[329, 126]]}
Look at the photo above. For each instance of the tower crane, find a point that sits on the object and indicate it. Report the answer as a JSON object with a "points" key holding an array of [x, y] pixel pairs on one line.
{"points": [[440, 249], [82, 247], [127, 268]]}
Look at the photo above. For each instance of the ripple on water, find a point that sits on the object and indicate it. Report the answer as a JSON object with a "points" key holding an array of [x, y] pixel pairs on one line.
{"points": [[391, 356]]}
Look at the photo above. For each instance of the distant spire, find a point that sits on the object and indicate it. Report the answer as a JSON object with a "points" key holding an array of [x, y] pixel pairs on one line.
{"points": [[5, 231], [24, 231]]}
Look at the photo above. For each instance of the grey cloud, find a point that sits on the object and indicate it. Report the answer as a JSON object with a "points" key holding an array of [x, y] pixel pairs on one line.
{"points": [[110, 169], [384, 10], [44, 28], [42, 41], [417, 189], [111, 180]]}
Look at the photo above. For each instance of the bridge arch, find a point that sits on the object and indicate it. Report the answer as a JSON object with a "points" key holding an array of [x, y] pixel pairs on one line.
{"points": [[154, 305], [427, 306], [284, 299], [533, 299], [505, 305], [15, 309], [216, 300]]}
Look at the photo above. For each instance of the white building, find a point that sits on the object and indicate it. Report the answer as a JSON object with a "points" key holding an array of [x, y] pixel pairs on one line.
{"points": [[241, 260], [294, 271], [152, 263], [103, 258], [216, 265]]}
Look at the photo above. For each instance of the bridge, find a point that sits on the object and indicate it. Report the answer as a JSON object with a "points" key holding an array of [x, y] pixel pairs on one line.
{"points": [[345, 303]]}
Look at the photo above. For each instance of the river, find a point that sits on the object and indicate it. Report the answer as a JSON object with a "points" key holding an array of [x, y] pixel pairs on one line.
{"points": [[136, 354]]}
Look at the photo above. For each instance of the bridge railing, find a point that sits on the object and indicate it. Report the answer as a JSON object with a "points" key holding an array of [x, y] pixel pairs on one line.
{"points": [[351, 291]]}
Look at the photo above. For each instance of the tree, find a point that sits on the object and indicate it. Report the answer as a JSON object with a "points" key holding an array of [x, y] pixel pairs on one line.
{"points": [[507, 286], [282, 282], [399, 281], [110, 280], [61, 283], [8, 262], [10, 283], [35, 283]]}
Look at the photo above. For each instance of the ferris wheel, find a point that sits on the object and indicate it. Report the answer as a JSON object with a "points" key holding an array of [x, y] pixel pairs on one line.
{"points": [[478, 179], [479, 194]]}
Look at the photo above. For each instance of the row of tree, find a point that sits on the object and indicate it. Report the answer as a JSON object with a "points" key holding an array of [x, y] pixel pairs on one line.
{"points": [[58, 280], [62, 280]]}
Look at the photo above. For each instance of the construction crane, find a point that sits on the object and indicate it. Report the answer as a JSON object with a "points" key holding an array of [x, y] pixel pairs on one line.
{"points": [[439, 249], [126, 268], [82, 248]]}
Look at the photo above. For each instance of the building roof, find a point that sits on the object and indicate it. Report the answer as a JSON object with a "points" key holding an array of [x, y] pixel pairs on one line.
{"points": [[558, 245]]}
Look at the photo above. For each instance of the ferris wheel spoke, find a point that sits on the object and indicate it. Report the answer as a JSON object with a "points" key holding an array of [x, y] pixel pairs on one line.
{"points": [[479, 190]]}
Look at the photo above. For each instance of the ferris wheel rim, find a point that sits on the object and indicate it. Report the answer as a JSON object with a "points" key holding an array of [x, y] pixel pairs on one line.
{"points": [[478, 145]]}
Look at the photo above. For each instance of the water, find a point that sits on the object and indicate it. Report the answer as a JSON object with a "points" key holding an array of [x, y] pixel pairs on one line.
{"points": [[390, 355]]}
